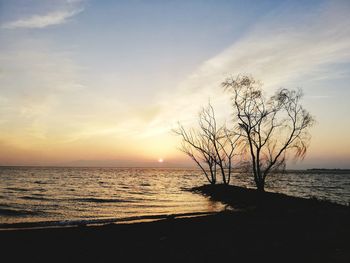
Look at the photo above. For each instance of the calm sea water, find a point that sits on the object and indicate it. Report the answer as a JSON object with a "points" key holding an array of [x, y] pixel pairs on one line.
{"points": [[32, 194]]}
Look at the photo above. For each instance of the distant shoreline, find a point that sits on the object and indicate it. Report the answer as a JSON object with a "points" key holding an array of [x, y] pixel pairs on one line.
{"points": [[327, 170]]}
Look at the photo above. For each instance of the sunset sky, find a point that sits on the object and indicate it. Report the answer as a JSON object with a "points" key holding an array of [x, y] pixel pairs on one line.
{"points": [[104, 82]]}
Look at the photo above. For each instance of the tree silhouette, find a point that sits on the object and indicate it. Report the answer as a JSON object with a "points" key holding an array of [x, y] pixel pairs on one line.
{"points": [[270, 128], [211, 147]]}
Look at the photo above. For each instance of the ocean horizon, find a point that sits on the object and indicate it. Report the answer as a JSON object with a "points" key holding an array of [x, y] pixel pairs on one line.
{"points": [[64, 195]]}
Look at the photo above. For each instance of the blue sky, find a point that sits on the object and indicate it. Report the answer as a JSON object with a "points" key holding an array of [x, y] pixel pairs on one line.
{"points": [[103, 80]]}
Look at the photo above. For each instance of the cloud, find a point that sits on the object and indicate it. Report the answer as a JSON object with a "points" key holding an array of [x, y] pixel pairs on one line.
{"points": [[34, 82], [47, 96], [278, 50], [42, 21], [279, 53]]}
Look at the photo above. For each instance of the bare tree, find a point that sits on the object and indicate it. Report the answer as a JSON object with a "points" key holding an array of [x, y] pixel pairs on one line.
{"points": [[210, 146], [199, 150], [270, 127]]}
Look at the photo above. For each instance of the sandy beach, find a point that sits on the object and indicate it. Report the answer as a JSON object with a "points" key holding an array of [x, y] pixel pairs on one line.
{"points": [[264, 228]]}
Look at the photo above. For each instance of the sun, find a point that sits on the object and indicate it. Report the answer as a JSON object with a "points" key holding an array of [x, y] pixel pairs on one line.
{"points": [[160, 160]]}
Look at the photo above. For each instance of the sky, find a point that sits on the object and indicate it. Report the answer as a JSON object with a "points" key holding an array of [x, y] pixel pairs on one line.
{"points": [[87, 82]]}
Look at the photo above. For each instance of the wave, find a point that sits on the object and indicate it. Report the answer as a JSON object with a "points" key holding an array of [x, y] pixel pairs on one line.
{"points": [[41, 182], [36, 198], [101, 200], [15, 212], [17, 189], [87, 200]]}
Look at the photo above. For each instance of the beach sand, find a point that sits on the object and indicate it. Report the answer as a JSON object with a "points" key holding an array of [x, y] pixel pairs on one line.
{"points": [[265, 228]]}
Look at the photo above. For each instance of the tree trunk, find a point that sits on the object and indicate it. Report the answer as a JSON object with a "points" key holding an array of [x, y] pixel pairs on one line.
{"points": [[224, 179], [260, 185]]}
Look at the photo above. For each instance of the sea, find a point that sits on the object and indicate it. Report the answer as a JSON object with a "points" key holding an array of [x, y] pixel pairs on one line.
{"points": [[56, 196]]}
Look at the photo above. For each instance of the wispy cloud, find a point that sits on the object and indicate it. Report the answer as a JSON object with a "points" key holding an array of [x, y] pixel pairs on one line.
{"points": [[278, 51], [42, 21], [34, 80]]}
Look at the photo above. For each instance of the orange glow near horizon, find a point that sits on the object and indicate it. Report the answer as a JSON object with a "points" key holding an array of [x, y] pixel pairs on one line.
{"points": [[136, 151]]}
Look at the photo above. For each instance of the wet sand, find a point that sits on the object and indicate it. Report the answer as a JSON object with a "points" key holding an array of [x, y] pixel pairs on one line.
{"points": [[266, 228]]}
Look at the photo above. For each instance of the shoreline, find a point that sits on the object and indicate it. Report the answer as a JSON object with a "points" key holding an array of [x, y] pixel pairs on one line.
{"points": [[242, 197], [96, 222], [270, 227]]}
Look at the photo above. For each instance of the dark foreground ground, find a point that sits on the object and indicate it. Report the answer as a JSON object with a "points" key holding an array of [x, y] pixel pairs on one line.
{"points": [[269, 228]]}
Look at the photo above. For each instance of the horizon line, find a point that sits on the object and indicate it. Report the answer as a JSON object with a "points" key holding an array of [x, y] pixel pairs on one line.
{"points": [[152, 167]]}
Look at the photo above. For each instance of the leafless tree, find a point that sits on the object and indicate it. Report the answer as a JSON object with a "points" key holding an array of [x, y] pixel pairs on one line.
{"points": [[211, 147], [270, 127]]}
